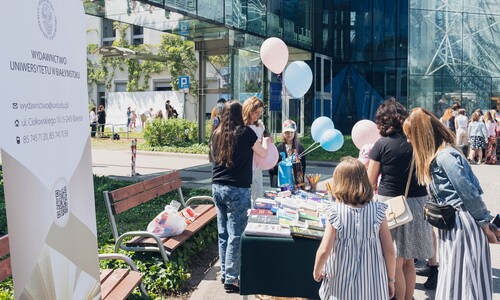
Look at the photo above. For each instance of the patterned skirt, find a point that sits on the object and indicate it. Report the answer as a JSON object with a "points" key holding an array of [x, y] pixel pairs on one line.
{"points": [[414, 239], [477, 142]]}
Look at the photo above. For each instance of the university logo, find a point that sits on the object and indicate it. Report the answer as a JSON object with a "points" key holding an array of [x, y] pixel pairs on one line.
{"points": [[47, 20]]}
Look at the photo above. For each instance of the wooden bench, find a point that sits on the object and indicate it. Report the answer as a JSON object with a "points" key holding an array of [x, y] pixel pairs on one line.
{"points": [[131, 196], [115, 283]]}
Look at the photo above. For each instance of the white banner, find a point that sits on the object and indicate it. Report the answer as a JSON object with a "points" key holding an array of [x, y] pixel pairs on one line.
{"points": [[46, 151]]}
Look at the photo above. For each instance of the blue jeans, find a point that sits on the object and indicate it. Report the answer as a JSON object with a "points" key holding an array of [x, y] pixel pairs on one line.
{"points": [[232, 204]]}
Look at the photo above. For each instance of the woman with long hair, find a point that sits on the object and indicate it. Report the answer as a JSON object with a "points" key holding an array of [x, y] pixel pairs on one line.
{"points": [[252, 110], [290, 144], [391, 156], [491, 129], [233, 147], [463, 250], [448, 119], [477, 138]]}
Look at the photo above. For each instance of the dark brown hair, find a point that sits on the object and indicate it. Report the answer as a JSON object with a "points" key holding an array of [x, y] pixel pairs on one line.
{"points": [[390, 117], [225, 135]]}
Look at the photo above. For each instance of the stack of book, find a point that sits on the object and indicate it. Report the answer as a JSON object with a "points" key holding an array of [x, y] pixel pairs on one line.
{"points": [[302, 214]]}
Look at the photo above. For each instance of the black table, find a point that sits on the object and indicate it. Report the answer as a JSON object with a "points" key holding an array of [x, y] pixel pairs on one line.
{"points": [[279, 267]]}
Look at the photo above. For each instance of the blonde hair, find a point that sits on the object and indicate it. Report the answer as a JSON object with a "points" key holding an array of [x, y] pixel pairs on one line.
{"points": [[488, 118], [427, 135], [249, 106], [475, 117], [350, 182], [447, 114]]}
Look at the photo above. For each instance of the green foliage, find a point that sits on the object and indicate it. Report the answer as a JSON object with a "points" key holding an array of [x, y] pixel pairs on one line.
{"points": [[322, 155], [7, 289], [181, 59], [178, 132], [193, 148]]}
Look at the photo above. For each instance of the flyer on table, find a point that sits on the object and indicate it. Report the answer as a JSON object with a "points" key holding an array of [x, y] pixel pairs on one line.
{"points": [[46, 153]]}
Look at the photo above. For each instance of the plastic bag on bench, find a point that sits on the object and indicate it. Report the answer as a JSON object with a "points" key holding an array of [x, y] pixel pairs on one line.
{"points": [[168, 222]]}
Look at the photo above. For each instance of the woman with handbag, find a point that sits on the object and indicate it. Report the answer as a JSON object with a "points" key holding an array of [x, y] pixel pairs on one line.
{"points": [[392, 155], [465, 259]]}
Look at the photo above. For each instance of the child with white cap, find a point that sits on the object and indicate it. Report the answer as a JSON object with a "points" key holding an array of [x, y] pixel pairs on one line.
{"points": [[289, 145]]}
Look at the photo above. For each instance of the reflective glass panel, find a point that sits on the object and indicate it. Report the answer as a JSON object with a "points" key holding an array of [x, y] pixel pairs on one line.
{"points": [[211, 9], [183, 5], [257, 16], [444, 5]]}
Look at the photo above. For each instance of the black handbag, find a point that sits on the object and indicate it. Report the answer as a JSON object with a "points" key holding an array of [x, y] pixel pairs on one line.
{"points": [[441, 216]]}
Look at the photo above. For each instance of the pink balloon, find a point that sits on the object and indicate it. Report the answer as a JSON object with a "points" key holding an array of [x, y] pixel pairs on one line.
{"points": [[270, 160], [274, 54], [364, 132]]}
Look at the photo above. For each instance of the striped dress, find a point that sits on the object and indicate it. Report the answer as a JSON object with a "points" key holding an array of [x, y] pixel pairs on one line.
{"points": [[356, 267], [464, 261]]}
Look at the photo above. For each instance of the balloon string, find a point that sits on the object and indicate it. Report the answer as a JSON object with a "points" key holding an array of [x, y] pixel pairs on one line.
{"points": [[307, 152], [310, 147]]}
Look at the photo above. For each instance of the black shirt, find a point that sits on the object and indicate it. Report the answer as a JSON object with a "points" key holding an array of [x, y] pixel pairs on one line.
{"points": [[240, 174], [394, 154]]}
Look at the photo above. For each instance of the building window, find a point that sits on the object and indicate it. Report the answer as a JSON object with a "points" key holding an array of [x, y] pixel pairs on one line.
{"points": [[120, 86], [108, 32], [101, 94], [137, 35], [162, 86]]}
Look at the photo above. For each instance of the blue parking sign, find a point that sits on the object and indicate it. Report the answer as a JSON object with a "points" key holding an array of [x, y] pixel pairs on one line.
{"points": [[183, 82], [184, 28]]}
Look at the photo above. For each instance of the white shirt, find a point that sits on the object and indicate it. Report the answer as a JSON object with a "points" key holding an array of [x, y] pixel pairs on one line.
{"points": [[491, 128], [92, 117], [461, 121]]}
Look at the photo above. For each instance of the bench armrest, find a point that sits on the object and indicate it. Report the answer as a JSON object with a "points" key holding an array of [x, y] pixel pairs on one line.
{"points": [[128, 261], [200, 198], [122, 257], [119, 243]]}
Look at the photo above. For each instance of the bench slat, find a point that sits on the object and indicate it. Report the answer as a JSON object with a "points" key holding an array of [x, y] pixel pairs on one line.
{"points": [[201, 210], [5, 269], [175, 241], [137, 188], [123, 289], [132, 202], [112, 280], [105, 274], [4, 245]]}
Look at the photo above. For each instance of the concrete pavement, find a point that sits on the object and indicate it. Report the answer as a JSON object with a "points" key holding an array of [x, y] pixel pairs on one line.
{"points": [[196, 172]]}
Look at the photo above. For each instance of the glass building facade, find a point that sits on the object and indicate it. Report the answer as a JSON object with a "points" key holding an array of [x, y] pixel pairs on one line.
{"points": [[428, 53]]}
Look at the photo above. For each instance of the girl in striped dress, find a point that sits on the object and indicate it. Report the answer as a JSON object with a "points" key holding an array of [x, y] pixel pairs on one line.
{"points": [[356, 258], [465, 261]]}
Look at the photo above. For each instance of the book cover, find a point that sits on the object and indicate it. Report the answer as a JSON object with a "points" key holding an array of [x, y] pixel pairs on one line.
{"points": [[260, 205], [306, 233], [259, 212], [273, 230], [266, 219], [304, 216], [315, 225]]}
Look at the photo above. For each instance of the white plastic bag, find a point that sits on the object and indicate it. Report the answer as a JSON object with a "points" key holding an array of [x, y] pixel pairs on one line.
{"points": [[168, 222]]}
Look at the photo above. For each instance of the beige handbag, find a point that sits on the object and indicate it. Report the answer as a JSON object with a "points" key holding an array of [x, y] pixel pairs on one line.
{"points": [[398, 211]]}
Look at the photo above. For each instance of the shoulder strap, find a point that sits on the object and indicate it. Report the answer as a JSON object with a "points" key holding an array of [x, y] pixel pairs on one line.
{"points": [[409, 177]]}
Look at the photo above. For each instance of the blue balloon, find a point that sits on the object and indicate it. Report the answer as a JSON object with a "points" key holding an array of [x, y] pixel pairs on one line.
{"points": [[298, 78], [332, 140], [319, 126]]}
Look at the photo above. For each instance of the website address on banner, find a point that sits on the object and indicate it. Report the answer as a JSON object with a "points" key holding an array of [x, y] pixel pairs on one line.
{"points": [[45, 136], [43, 105]]}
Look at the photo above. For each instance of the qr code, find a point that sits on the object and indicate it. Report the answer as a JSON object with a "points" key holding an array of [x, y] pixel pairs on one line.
{"points": [[61, 202]]}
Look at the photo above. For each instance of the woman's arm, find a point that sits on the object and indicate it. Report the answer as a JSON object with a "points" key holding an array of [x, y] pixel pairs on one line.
{"points": [[261, 149], [389, 255], [373, 172], [324, 250]]}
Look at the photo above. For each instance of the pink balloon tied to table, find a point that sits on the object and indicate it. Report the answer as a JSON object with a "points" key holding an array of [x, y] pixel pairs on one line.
{"points": [[270, 160], [364, 132], [274, 54]]}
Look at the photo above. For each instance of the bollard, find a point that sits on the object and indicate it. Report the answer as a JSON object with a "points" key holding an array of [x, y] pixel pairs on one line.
{"points": [[133, 147]]}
